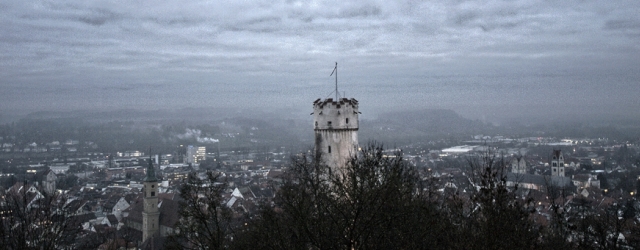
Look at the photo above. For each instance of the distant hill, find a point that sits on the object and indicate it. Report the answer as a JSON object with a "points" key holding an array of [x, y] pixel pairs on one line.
{"points": [[189, 115], [405, 126]]}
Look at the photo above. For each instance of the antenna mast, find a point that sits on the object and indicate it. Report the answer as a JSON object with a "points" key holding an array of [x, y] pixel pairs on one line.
{"points": [[335, 70]]}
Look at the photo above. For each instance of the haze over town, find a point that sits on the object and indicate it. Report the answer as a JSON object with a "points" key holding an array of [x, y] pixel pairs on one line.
{"points": [[129, 124], [489, 60]]}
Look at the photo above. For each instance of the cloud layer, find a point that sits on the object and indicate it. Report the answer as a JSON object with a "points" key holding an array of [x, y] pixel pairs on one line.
{"points": [[111, 54]]}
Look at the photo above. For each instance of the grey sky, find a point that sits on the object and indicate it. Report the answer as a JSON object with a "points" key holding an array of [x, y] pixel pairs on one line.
{"points": [[480, 58]]}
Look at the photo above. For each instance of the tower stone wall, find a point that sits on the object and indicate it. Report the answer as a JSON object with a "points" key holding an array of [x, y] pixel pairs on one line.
{"points": [[336, 130], [150, 214]]}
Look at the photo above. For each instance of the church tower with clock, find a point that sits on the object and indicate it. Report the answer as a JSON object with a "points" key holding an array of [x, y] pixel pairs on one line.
{"points": [[150, 214]]}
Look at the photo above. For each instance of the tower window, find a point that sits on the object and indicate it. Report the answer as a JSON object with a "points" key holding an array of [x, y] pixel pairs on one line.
{"points": [[329, 150], [347, 121], [153, 193], [554, 164], [316, 124], [329, 123]]}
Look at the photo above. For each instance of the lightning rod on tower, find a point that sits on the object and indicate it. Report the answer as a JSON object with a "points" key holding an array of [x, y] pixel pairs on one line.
{"points": [[335, 70]]}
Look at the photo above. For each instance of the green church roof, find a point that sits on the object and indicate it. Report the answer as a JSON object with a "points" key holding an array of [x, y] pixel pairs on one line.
{"points": [[151, 173]]}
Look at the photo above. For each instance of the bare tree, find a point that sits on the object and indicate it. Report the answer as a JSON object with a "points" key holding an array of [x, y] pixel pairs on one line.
{"points": [[496, 208], [33, 219], [205, 222], [375, 201]]}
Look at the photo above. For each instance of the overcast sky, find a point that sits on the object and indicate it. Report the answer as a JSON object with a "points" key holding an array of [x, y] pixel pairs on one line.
{"points": [[479, 58]]}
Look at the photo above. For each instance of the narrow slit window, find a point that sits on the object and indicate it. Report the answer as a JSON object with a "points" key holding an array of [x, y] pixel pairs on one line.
{"points": [[329, 150], [347, 121]]}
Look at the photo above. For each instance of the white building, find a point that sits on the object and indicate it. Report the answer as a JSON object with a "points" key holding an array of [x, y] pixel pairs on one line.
{"points": [[459, 149], [59, 168], [195, 154]]}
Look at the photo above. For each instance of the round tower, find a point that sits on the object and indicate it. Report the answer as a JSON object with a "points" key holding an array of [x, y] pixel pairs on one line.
{"points": [[336, 130]]}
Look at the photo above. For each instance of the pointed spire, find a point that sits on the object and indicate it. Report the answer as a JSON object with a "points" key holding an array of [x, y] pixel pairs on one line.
{"points": [[151, 173]]}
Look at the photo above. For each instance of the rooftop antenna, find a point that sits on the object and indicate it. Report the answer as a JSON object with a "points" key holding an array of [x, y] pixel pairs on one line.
{"points": [[335, 70]]}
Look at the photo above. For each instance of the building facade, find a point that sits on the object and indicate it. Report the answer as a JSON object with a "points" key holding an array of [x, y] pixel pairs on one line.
{"points": [[195, 154]]}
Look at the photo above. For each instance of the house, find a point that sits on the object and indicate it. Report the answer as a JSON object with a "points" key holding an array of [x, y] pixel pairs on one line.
{"points": [[27, 192], [585, 181], [48, 180]]}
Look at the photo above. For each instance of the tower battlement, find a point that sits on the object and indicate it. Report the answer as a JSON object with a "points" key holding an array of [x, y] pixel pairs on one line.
{"points": [[335, 114]]}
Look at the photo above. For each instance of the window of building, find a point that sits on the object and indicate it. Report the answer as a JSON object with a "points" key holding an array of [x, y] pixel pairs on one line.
{"points": [[329, 123], [152, 186], [329, 150], [153, 193], [316, 124], [347, 121], [555, 164]]}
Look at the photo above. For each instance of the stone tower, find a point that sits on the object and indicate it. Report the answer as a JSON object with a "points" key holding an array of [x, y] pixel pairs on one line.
{"points": [[557, 163], [150, 214], [336, 130], [519, 165]]}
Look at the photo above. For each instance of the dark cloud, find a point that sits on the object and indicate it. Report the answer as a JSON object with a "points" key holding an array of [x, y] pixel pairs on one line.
{"points": [[365, 11], [622, 25], [463, 19], [98, 17]]}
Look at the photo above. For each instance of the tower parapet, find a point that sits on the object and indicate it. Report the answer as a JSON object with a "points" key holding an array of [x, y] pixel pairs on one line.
{"points": [[330, 114], [336, 130]]}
